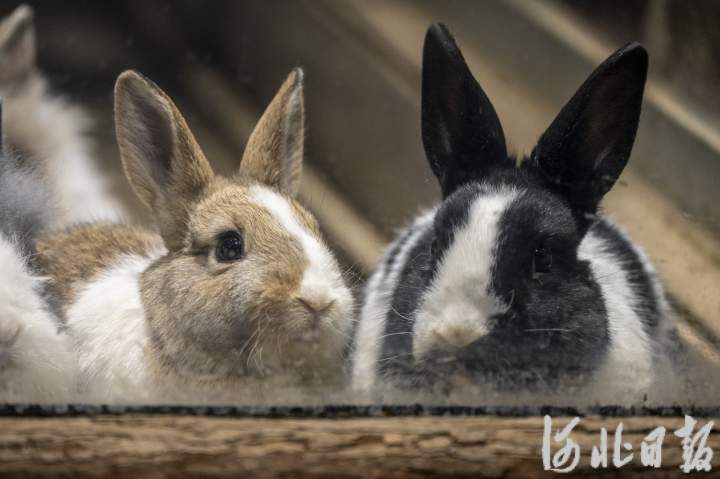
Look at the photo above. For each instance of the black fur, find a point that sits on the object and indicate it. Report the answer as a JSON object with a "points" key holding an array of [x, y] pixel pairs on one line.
{"points": [[646, 304], [556, 325], [396, 361], [587, 146], [461, 132], [556, 328], [394, 251]]}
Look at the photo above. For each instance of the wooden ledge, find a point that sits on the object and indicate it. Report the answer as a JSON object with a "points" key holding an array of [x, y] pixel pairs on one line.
{"points": [[136, 445]]}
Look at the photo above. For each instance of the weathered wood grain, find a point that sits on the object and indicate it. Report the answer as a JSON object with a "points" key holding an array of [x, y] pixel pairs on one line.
{"points": [[411, 447]]}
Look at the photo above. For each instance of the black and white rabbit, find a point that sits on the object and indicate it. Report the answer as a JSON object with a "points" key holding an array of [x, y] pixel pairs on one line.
{"points": [[515, 280]]}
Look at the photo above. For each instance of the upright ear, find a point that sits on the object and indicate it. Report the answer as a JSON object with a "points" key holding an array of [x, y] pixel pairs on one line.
{"points": [[274, 153], [461, 132], [587, 146], [17, 45], [162, 161]]}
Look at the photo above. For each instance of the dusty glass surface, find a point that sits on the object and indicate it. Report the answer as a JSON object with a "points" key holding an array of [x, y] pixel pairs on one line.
{"points": [[144, 263]]}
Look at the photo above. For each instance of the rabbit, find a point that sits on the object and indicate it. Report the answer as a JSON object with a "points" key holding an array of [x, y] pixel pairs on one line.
{"points": [[46, 129], [516, 282], [37, 363], [237, 296]]}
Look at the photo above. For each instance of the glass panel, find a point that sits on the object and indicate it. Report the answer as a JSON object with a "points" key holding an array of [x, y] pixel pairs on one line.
{"points": [[145, 264]]}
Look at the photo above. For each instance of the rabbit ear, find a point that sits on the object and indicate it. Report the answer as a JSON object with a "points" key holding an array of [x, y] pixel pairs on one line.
{"points": [[162, 161], [274, 152], [587, 146], [17, 45], [461, 132]]}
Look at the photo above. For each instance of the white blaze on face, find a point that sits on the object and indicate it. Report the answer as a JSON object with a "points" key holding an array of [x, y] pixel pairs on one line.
{"points": [[456, 307], [322, 281]]}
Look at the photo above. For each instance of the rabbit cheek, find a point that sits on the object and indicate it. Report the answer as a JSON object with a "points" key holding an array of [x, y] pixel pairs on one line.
{"points": [[269, 277], [555, 331], [192, 318]]}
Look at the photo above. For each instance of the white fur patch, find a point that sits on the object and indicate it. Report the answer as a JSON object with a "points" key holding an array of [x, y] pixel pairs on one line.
{"points": [[666, 322], [321, 280], [455, 309], [108, 327], [628, 370], [54, 133], [379, 291], [36, 361]]}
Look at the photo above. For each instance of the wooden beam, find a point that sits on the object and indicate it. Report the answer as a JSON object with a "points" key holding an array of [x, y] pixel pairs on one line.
{"points": [[406, 447]]}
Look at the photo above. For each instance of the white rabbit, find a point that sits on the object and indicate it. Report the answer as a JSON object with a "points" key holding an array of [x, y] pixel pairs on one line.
{"points": [[36, 361], [46, 129]]}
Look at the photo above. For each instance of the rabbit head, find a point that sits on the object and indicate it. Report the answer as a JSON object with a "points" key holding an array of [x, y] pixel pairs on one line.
{"points": [[506, 291], [247, 288]]}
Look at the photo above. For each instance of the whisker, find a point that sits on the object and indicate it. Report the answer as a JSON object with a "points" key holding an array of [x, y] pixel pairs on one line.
{"points": [[257, 359], [257, 342], [384, 360], [401, 315], [252, 336]]}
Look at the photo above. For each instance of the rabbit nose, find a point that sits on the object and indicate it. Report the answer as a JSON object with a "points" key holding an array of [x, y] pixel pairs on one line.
{"points": [[316, 304], [459, 335]]}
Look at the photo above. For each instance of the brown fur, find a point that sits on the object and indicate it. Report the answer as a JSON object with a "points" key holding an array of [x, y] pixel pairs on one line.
{"points": [[267, 280], [149, 126], [17, 45], [206, 317], [74, 256], [273, 155]]}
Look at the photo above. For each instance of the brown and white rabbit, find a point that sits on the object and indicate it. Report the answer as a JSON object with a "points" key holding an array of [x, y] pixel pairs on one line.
{"points": [[46, 129], [235, 298]]}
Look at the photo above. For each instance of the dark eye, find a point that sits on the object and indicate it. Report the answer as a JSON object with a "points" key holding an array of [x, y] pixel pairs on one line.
{"points": [[541, 261], [230, 247]]}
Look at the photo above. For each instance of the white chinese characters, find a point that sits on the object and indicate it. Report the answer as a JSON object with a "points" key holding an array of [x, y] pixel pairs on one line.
{"points": [[696, 455]]}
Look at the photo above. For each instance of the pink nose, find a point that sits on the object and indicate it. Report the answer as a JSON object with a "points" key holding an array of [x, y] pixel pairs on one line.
{"points": [[316, 305]]}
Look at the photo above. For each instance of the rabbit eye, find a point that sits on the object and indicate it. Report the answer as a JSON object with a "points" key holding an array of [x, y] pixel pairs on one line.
{"points": [[541, 261], [230, 247]]}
